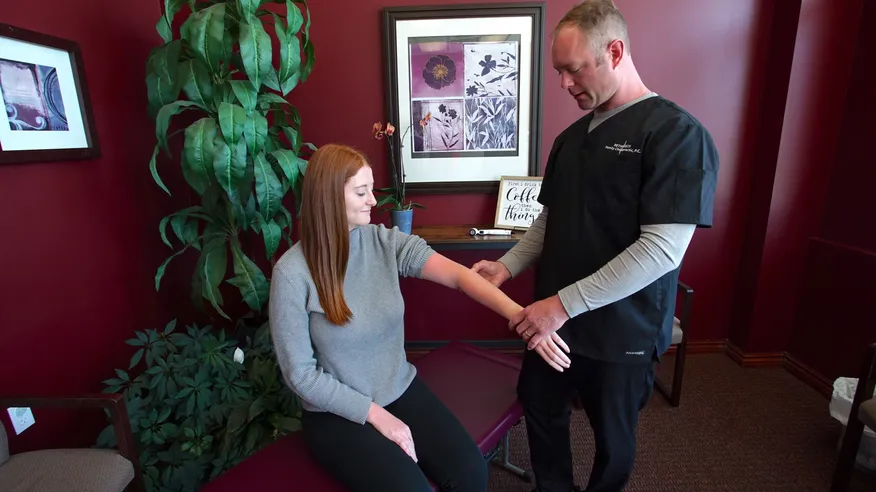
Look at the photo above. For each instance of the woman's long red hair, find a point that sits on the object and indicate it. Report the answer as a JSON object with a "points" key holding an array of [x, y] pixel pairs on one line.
{"points": [[325, 232]]}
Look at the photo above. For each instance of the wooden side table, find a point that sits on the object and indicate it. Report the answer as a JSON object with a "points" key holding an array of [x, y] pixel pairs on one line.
{"points": [[457, 237]]}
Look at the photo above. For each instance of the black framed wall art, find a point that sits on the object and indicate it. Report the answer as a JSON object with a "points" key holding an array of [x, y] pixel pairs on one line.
{"points": [[464, 85], [47, 112]]}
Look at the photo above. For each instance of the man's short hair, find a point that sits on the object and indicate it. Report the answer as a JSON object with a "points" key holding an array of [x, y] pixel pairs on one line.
{"points": [[601, 21]]}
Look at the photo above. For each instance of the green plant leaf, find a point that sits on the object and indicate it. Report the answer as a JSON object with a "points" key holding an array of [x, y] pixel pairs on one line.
{"points": [[222, 93], [294, 138], [195, 212], [269, 191], [272, 233], [159, 274], [136, 358], [290, 83], [288, 162], [253, 436], [256, 51], [250, 213], [159, 93], [310, 54], [290, 54], [164, 30], [286, 424], [204, 32], [153, 168], [213, 271], [229, 164], [255, 131], [231, 121], [256, 409], [163, 120], [268, 98], [237, 418], [294, 17], [245, 93], [171, 7], [247, 8], [249, 279], [198, 151], [272, 80], [164, 61], [197, 84]]}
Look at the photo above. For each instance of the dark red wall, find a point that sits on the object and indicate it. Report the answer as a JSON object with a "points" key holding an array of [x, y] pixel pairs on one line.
{"points": [[80, 243], [80, 240], [702, 54], [807, 79], [834, 319]]}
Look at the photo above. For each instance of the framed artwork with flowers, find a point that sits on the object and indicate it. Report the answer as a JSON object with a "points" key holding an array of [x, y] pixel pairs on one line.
{"points": [[467, 80]]}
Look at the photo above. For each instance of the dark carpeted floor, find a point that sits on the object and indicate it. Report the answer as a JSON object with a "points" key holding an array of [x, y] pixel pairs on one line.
{"points": [[737, 429]]}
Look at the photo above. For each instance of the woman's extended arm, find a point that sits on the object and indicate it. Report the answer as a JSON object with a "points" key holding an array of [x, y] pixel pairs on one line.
{"points": [[446, 272]]}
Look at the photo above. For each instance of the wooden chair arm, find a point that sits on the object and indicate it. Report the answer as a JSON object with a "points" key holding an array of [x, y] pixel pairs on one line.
{"points": [[686, 301], [686, 289], [114, 402]]}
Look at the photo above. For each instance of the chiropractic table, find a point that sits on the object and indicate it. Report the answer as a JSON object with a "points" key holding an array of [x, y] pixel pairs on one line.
{"points": [[477, 385]]}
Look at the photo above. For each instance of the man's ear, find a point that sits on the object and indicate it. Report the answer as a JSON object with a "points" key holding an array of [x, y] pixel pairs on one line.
{"points": [[616, 50]]}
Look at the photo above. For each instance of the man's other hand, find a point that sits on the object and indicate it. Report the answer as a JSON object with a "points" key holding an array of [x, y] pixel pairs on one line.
{"points": [[538, 320], [495, 272]]}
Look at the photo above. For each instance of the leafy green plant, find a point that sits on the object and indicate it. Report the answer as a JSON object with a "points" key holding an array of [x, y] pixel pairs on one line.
{"points": [[199, 400], [242, 152], [202, 404]]}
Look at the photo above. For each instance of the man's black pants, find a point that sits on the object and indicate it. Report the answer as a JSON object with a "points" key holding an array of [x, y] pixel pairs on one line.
{"points": [[612, 395]]}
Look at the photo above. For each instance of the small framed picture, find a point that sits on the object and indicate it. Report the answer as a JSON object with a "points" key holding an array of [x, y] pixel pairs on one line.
{"points": [[464, 86], [47, 113], [518, 206]]}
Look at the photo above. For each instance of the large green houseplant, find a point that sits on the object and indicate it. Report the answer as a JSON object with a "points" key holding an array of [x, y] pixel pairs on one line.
{"points": [[200, 400]]}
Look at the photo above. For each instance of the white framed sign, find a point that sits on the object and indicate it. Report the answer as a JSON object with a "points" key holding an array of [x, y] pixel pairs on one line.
{"points": [[518, 206]]}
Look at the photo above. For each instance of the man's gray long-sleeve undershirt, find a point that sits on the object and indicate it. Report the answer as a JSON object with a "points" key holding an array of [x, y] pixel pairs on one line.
{"points": [[658, 250]]}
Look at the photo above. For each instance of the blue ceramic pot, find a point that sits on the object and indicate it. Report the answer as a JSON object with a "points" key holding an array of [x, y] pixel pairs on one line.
{"points": [[402, 219]]}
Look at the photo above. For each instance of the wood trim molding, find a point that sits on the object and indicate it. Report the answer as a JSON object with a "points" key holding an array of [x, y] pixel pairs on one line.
{"points": [[756, 359], [796, 368], [809, 376]]}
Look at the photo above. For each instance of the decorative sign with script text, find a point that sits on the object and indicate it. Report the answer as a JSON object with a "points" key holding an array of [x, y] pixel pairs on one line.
{"points": [[518, 207]]}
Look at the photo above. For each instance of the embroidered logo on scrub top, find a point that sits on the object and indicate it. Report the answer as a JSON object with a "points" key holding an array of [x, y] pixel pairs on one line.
{"points": [[624, 147]]}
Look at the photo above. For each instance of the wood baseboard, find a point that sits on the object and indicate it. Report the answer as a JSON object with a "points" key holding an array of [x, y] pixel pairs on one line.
{"points": [[765, 359], [809, 376], [757, 359], [705, 347]]}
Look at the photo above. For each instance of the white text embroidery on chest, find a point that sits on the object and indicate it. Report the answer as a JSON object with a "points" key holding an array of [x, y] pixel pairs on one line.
{"points": [[624, 147]]}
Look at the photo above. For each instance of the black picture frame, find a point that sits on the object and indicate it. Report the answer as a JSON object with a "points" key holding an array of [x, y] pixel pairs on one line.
{"points": [[77, 140], [525, 162]]}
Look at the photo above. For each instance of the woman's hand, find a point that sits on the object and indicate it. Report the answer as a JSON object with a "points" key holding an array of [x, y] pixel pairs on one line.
{"points": [[551, 350], [392, 428]]}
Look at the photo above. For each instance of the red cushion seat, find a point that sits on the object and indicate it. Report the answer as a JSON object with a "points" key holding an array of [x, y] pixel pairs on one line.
{"points": [[478, 385]]}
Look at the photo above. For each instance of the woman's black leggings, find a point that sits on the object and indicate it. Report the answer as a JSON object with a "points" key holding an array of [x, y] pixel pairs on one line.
{"points": [[363, 459]]}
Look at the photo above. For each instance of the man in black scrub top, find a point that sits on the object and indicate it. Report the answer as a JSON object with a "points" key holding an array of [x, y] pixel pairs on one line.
{"points": [[624, 189]]}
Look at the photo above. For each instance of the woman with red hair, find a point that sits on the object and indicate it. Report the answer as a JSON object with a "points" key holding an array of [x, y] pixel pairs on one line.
{"points": [[337, 322]]}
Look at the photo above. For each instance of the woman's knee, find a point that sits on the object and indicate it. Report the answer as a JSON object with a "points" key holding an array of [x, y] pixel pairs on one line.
{"points": [[476, 478], [469, 473]]}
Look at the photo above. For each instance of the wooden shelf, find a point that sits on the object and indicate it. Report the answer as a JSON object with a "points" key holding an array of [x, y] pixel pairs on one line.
{"points": [[457, 237]]}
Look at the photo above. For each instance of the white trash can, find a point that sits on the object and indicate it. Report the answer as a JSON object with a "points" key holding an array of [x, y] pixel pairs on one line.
{"points": [[840, 407]]}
